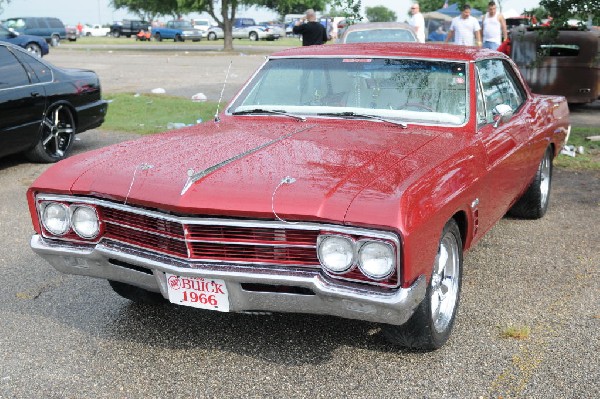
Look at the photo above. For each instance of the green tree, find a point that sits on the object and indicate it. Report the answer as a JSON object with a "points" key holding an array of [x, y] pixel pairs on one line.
{"points": [[380, 14], [149, 10], [283, 7], [562, 10]]}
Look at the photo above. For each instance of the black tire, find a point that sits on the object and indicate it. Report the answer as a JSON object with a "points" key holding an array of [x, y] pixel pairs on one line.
{"points": [[137, 294], [55, 40], [34, 49], [212, 36], [158, 37], [57, 133], [253, 36], [116, 33], [533, 204], [430, 326], [178, 38]]}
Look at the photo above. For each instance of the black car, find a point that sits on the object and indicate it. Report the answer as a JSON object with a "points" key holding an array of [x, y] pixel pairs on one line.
{"points": [[34, 44], [42, 106]]}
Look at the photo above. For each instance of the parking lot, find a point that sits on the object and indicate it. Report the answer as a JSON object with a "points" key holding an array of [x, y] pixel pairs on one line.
{"points": [[71, 337]]}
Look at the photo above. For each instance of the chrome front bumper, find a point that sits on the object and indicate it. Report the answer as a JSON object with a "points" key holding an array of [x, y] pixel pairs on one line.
{"points": [[147, 270]]}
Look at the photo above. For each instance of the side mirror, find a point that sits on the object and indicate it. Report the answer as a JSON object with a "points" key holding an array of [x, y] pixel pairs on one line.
{"points": [[502, 114]]}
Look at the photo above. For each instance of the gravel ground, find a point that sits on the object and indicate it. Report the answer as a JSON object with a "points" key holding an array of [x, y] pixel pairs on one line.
{"points": [[72, 337]]}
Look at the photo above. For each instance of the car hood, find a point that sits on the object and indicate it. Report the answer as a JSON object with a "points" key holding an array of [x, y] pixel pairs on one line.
{"points": [[291, 170]]}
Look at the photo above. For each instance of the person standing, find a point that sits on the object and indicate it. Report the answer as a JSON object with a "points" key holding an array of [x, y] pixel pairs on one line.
{"points": [[311, 30], [417, 22], [465, 29], [494, 27]]}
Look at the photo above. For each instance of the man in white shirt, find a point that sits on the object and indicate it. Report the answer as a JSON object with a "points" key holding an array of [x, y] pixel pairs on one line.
{"points": [[417, 22], [494, 27], [465, 29]]}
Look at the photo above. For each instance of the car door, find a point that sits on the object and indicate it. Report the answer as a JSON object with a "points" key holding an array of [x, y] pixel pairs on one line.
{"points": [[22, 104], [506, 143]]}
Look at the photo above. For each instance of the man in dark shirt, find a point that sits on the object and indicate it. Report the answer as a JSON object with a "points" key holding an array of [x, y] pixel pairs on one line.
{"points": [[312, 31]]}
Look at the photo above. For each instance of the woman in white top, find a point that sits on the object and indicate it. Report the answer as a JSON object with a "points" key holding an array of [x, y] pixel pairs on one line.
{"points": [[494, 27]]}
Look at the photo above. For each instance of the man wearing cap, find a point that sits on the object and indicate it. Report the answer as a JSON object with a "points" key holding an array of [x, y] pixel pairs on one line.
{"points": [[311, 30]]}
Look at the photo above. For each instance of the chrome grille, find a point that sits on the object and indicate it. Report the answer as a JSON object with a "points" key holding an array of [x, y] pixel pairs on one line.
{"points": [[193, 240]]}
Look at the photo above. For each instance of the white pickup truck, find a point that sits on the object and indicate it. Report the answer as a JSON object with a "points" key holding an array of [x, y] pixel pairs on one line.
{"points": [[95, 30]]}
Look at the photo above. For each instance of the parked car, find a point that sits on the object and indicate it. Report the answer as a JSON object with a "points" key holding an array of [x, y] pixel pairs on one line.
{"points": [[245, 28], [567, 65], [95, 30], [378, 32], [128, 27], [202, 25], [34, 44], [72, 33], [51, 29], [178, 31], [42, 107], [343, 180]]}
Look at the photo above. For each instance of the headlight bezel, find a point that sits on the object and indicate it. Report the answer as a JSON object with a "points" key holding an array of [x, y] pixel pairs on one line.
{"points": [[322, 240], [74, 208], [44, 206], [357, 272], [361, 244]]}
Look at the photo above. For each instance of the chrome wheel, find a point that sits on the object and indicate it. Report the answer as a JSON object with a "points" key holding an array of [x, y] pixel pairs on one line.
{"points": [[34, 49], [58, 131], [445, 283], [545, 174]]}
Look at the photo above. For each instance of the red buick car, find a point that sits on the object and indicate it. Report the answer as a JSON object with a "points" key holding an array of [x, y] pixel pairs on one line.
{"points": [[345, 180]]}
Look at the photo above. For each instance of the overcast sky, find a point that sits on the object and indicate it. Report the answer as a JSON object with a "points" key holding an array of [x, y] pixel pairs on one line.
{"points": [[99, 11]]}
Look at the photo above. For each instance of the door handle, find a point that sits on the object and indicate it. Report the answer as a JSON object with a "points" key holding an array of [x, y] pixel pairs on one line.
{"points": [[35, 94]]}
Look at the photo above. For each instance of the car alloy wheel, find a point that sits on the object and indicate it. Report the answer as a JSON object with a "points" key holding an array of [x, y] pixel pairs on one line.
{"points": [[58, 131], [34, 49]]}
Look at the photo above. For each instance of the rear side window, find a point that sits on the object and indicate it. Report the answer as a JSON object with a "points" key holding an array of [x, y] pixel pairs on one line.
{"points": [[55, 23], [38, 71], [12, 73]]}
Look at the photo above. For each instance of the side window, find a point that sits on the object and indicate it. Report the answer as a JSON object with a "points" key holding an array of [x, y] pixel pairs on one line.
{"points": [[481, 111], [500, 86], [38, 71], [55, 23], [12, 73]]}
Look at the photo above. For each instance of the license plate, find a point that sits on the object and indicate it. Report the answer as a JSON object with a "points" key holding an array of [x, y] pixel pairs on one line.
{"points": [[198, 292]]}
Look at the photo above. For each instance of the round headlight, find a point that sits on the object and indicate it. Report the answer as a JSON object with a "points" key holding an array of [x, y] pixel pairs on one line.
{"points": [[55, 218], [336, 253], [376, 259], [85, 222]]}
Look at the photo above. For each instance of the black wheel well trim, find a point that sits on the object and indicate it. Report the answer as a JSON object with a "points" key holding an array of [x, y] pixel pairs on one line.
{"points": [[461, 220]]}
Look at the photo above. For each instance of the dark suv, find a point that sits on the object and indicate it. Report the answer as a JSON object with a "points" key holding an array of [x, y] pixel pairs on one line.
{"points": [[51, 29]]}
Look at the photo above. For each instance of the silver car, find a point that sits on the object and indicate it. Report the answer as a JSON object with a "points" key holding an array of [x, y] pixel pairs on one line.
{"points": [[378, 32]]}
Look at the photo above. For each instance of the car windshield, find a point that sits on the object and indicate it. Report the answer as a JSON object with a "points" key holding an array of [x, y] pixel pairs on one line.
{"points": [[182, 25], [380, 36], [410, 90]]}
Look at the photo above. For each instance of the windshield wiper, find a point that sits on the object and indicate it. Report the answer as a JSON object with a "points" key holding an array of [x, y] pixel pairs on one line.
{"points": [[356, 115], [268, 111]]}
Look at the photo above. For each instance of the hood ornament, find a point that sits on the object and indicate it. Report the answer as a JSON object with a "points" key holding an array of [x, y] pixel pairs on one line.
{"points": [[142, 166]]}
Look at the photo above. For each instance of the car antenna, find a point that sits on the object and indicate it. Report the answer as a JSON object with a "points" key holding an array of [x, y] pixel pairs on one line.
{"points": [[217, 119]]}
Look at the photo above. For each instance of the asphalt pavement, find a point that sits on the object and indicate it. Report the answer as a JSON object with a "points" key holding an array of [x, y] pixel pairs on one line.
{"points": [[67, 336]]}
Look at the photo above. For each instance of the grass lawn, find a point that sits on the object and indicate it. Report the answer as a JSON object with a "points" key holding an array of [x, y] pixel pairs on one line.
{"points": [[590, 159], [151, 113]]}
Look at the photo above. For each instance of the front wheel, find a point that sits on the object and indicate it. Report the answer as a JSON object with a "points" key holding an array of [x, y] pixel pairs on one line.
{"points": [[116, 33], [34, 49], [157, 37], [430, 326], [253, 36], [55, 40], [57, 136], [534, 203], [212, 36]]}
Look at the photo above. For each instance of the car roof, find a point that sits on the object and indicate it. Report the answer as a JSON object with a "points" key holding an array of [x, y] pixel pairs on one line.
{"points": [[409, 50]]}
